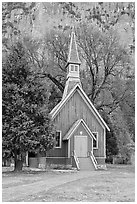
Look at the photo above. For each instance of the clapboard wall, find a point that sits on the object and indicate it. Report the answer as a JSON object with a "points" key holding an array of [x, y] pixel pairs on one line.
{"points": [[76, 108]]}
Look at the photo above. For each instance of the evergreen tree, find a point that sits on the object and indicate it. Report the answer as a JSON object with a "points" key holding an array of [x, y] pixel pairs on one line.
{"points": [[26, 122]]}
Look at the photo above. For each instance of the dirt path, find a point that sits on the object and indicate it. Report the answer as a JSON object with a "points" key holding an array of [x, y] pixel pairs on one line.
{"points": [[117, 184], [17, 192]]}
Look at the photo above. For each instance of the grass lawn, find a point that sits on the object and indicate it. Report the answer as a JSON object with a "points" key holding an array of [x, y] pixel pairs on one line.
{"points": [[115, 184]]}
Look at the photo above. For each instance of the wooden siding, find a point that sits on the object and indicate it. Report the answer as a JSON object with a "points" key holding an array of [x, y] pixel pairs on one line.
{"points": [[58, 161], [59, 152], [73, 110]]}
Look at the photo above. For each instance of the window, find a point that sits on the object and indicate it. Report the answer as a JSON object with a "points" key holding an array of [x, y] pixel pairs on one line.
{"points": [[76, 68], [95, 142], [72, 68], [58, 139]]}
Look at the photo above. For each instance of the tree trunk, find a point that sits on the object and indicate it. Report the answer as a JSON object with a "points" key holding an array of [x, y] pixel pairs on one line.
{"points": [[4, 162], [18, 163]]}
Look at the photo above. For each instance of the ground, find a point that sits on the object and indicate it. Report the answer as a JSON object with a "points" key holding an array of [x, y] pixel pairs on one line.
{"points": [[115, 184]]}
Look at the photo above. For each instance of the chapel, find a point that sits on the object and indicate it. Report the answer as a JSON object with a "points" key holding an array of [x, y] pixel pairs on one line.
{"points": [[81, 131]]}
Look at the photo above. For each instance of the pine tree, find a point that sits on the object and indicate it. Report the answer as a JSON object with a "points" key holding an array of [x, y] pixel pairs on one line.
{"points": [[26, 122]]}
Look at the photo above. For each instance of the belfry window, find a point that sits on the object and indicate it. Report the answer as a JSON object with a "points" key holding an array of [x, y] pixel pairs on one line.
{"points": [[72, 68], [76, 68]]}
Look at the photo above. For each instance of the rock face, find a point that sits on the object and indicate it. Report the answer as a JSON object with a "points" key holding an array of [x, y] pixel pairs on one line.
{"points": [[46, 16]]}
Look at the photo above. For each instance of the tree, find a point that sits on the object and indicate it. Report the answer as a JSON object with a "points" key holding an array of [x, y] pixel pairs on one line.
{"points": [[122, 134], [102, 56], [111, 140], [105, 60], [51, 61], [26, 122], [49, 57], [55, 97], [111, 145]]}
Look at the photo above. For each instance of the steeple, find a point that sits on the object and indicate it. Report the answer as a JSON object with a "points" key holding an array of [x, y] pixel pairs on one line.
{"points": [[73, 64], [73, 56]]}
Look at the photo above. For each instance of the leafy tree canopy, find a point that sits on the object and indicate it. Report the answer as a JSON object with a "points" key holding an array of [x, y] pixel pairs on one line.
{"points": [[26, 122]]}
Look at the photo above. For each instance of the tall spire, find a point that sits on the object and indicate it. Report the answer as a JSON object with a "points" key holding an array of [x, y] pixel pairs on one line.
{"points": [[73, 64], [73, 56]]}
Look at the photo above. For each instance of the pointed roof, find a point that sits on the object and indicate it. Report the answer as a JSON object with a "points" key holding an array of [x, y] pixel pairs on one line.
{"points": [[77, 87], [73, 56], [74, 128]]}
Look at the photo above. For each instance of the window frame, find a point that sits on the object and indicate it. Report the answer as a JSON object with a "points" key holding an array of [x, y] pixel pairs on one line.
{"points": [[59, 139], [96, 140], [74, 68]]}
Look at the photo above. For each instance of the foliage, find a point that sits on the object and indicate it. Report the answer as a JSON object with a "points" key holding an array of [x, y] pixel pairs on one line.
{"points": [[26, 122], [112, 148], [105, 58], [122, 134], [111, 144], [54, 98], [128, 107]]}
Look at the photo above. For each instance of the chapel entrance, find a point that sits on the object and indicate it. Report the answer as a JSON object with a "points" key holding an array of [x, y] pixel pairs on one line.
{"points": [[80, 144]]}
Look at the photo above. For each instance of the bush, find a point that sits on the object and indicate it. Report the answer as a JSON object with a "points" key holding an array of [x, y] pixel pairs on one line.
{"points": [[122, 160]]}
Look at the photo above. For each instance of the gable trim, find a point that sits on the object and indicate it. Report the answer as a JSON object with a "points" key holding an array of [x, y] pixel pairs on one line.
{"points": [[93, 110], [86, 99], [75, 126], [55, 108]]}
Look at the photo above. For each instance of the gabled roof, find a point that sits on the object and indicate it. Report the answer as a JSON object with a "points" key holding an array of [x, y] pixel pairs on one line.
{"points": [[77, 87], [74, 128], [73, 56]]}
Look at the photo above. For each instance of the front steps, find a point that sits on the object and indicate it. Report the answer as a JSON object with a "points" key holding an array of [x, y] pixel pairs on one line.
{"points": [[85, 163]]}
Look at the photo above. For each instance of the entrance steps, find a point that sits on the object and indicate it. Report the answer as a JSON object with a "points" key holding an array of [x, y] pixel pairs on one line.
{"points": [[85, 163]]}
